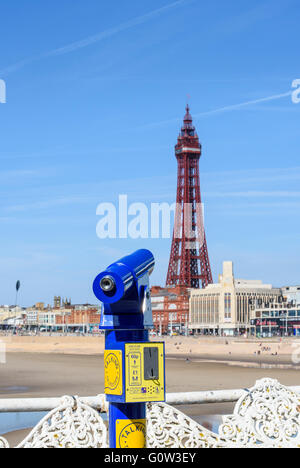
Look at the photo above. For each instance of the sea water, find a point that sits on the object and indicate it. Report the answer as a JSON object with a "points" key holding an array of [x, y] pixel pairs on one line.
{"points": [[10, 422]]}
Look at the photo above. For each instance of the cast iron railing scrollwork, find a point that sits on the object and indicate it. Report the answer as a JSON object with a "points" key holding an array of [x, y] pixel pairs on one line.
{"points": [[268, 415]]}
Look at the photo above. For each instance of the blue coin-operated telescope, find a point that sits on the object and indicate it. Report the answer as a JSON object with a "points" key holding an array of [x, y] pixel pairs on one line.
{"points": [[134, 370], [124, 289]]}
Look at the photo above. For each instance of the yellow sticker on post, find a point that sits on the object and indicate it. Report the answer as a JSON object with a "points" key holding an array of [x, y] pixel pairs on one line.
{"points": [[113, 372], [145, 373], [131, 433]]}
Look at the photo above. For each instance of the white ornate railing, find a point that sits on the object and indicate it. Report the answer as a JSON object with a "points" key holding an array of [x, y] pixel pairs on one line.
{"points": [[267, 415]]}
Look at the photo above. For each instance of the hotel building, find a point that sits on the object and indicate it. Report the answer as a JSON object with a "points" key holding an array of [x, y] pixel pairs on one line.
{"points": [[280, 317], [226, 308]]}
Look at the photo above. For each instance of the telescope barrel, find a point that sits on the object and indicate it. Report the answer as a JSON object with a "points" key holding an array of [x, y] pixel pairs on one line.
{"points": [[111, 285], [140, 262]]}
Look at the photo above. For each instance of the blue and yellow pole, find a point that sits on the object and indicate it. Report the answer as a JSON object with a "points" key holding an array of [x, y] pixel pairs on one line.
{"points": [[127, 421], [133, 367]]}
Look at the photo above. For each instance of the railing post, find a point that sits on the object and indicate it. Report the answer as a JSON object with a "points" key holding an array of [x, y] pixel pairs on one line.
{"points": [[134, 370]]}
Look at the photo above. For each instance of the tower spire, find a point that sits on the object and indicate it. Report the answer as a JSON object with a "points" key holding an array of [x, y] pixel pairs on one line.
{"points": [[189, 262], [187, 116]]}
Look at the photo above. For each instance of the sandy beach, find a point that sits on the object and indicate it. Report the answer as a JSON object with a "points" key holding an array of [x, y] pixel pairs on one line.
{"points": [[38, 374], [273, 350]]}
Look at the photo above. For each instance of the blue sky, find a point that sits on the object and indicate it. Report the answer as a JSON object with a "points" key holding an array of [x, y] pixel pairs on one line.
{"points": [[95, 96]]}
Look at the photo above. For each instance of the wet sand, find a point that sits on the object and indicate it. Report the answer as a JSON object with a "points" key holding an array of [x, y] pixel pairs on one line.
{"points": [[28, 375]]}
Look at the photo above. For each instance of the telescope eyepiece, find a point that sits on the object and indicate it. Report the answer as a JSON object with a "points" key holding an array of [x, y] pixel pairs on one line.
{"points": [[107, 284]]}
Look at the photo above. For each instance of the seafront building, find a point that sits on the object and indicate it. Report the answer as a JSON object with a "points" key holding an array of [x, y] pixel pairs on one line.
{"points": [[170, 307], [80, 316], [31, 317], [280, 317], [63, 316], [11, 315], [230, 307], [227, 307], [292, 294]]}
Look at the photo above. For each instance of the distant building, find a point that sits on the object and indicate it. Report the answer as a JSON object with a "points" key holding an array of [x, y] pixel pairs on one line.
{"points": [[78, 315], [57, 302], [66, 316], [157, 301], [31, 317], [170, 307], [66, 302], [47, 317], [226, 308], [292, 294], [280, 317], [5, 313], [10, 314]]}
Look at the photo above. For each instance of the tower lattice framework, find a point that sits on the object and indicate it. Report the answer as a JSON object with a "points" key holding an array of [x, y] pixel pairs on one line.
{"points": [[189, 263]]}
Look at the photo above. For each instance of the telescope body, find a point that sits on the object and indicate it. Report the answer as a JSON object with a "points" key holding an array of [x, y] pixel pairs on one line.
{"points": [[124, 290]]}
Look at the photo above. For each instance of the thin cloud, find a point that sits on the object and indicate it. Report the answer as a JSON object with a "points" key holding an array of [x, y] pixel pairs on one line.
{"points": [[113, 31], [246, 178], [254, 194], [274, 97], [262, 12], [50, 203], [220, 110], [4, 175], [74, 46]]}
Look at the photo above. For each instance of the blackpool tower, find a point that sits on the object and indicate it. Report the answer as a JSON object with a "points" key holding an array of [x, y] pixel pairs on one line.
{"points": [[189, 264]]}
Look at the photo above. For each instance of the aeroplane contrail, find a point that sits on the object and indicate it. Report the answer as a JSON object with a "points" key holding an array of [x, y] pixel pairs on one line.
{"points": [[274, 97], [95, 38], [219, 110]]}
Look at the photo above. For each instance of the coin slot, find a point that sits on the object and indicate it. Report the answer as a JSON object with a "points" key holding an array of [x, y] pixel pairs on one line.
{"points": [[151, 368]]}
